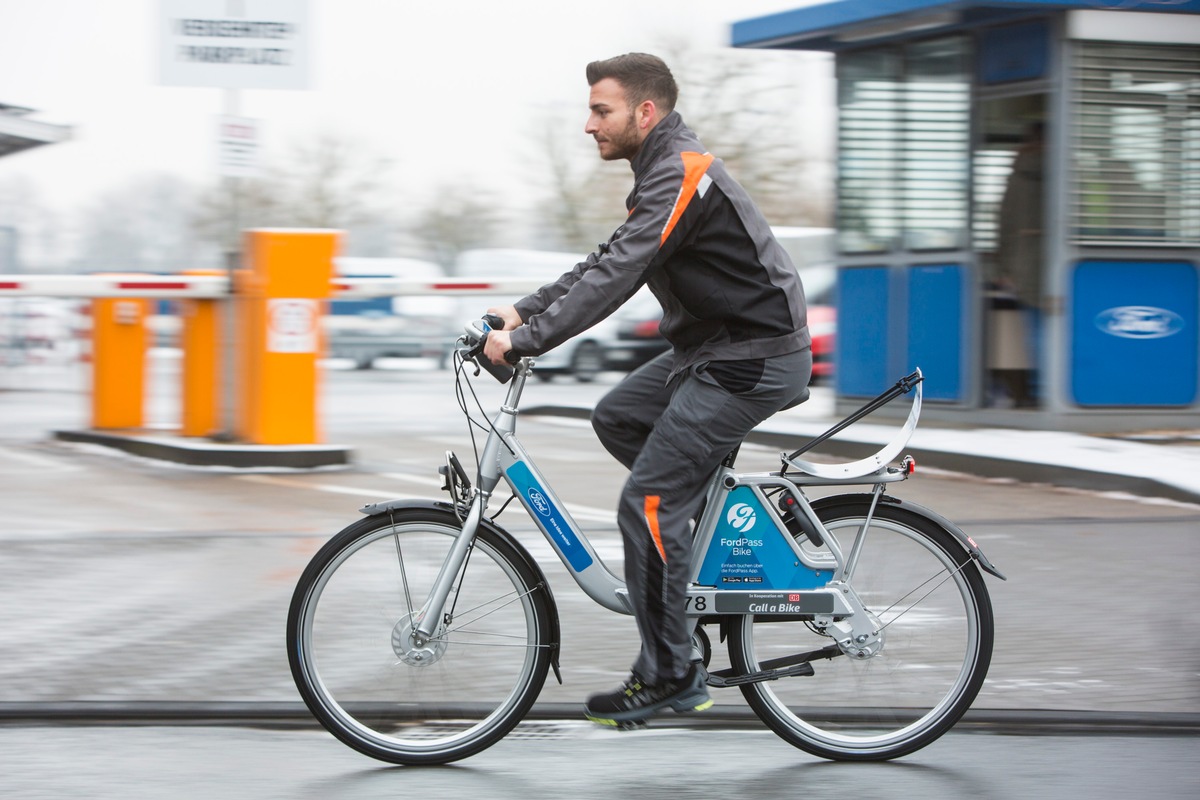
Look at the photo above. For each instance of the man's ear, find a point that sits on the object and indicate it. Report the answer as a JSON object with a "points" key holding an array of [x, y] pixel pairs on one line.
{"points": [[646, 114]]}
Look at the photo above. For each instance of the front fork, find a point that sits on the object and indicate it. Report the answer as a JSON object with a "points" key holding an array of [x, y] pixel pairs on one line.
{"points": [[432, 610], [502, 426]]}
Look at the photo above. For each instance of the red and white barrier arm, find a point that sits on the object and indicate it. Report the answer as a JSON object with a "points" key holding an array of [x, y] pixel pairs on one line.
{"points": [[216, 286], [355, 288], [131, 285]]}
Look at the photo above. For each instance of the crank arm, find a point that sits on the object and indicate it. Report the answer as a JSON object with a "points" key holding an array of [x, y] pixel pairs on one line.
{"points": [[798, 665]]}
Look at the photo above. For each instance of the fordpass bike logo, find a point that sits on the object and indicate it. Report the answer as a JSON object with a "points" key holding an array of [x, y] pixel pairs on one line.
{"points": [[539, 502], [741, 517], [1139, 322]]}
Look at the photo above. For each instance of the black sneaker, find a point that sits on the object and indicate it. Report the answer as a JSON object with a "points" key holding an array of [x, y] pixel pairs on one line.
{"points": [[636, 700]]}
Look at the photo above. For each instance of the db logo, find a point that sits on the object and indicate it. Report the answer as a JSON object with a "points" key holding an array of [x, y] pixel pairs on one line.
{"points": [[741, 517], [539, 502], [793, 598]]}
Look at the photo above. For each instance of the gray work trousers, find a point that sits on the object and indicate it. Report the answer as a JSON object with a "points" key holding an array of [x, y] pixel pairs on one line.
{"points": [[672, 437]]}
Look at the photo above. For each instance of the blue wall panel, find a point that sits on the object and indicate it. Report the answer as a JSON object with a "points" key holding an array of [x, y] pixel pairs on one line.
{"points": [[862, 335], [1134, 335], [935, 328]]}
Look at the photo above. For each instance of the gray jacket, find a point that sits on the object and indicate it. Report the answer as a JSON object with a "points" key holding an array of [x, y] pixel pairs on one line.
{"points": [[728, 290]]}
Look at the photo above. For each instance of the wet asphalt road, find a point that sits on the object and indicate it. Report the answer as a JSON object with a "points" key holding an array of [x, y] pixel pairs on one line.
{"points": [[574, 760], [131, 582]]}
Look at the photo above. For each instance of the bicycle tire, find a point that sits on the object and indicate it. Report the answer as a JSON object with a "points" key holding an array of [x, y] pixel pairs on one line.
{"points": [[354, 662], [932, 601]]}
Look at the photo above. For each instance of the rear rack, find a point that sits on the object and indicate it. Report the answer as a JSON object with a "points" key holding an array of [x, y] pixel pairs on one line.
{"points": [[880, 459]]}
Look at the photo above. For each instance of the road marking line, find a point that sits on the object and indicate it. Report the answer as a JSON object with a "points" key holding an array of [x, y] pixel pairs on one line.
{"points": [[422, 480], [578, 512], [41, 462], [293, 483]]}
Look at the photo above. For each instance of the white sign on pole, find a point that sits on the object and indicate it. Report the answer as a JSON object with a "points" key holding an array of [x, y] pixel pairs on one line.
{"points": [[292, 325], [235, 44], [237, 146]]}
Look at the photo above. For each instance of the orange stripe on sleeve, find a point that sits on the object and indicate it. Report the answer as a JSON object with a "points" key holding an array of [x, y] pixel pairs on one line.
{"points": [[650, 509], [694, 167]]}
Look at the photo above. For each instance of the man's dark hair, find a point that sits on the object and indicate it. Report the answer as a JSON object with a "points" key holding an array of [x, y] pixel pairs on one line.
{"points": [[642, 76]]}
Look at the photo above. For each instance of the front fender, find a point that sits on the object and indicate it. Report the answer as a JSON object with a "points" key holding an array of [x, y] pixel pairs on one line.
{"points": [[966, 541], [440, 507]]}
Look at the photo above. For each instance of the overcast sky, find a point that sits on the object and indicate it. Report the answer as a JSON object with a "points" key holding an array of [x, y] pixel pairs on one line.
{"points": [[447, 89]]}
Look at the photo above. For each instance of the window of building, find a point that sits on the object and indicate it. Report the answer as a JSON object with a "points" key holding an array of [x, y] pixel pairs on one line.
{"points": [[1136, 145], [903, 147]]}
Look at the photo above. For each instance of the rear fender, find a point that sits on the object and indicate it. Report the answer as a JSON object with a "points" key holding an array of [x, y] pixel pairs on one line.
{"points": [[968, 544]]}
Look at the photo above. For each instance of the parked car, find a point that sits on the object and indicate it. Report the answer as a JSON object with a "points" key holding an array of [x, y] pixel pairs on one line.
{"points": [[820, 292], [363, 330], [623, 341]]}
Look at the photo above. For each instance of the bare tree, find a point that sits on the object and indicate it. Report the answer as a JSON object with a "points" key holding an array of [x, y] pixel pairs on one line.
{"points": [[142, 225], [746, 108], [586, 195], [32, 236], [457, 218], [329, 181]]}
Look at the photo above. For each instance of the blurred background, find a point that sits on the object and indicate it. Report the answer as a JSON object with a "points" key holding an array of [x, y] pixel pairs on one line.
{"points": [[1006, 194], [421, 129]]}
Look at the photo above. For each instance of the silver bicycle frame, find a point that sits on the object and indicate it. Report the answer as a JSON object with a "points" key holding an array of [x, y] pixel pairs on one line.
{"points": [[503, 457]]}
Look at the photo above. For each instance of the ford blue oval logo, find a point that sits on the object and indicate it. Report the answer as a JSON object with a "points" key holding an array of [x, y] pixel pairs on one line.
{"points": [[1139, 322], [539, 502]]}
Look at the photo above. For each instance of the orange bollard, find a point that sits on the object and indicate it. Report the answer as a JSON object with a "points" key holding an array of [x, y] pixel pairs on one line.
{"points": [[119, 340], [282, 295], [200, 339]]}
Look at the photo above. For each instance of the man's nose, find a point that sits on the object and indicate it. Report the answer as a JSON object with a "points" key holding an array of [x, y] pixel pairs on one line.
{"points": [[590, 127]]}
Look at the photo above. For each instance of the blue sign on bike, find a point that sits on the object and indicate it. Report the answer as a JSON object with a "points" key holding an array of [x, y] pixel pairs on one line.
{"points": [[548, 517], [748, 551]]}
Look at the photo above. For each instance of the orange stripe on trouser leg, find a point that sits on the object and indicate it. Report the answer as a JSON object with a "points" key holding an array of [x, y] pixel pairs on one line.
{"points": [[650, 509]]}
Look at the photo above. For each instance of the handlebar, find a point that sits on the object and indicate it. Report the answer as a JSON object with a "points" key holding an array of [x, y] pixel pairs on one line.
{"points": [[476, 333]]}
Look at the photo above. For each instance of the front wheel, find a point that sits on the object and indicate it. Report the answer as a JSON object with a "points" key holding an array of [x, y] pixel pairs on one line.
{"points": [[364, 677], [930, 603]]}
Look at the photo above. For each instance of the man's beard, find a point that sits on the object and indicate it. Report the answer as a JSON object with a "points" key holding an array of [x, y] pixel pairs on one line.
{"points": [[624, 145]]}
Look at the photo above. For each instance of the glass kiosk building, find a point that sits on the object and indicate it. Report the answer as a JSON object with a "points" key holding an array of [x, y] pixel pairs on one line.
{"points": [[1018, 204]]}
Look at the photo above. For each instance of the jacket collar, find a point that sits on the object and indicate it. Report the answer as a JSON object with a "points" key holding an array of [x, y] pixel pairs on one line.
{"points": [[656, 142]]}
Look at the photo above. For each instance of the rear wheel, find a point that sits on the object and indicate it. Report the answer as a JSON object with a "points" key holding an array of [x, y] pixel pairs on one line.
{"points": [[363, 675], [928, 599]]}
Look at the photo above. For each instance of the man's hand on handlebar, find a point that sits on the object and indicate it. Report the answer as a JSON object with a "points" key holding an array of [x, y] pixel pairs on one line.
{"points": [[512, 320], [496, 346]]}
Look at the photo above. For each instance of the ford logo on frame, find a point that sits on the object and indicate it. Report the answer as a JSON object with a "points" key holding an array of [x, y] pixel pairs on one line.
{"points": [[539, 502], [1139, 322]]}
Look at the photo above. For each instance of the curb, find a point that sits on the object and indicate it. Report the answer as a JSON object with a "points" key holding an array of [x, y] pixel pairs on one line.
{"points": [[205, 453], [1032, 722]]}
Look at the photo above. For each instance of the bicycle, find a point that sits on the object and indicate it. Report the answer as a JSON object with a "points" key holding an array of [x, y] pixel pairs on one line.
{"points": [[859, 626]]}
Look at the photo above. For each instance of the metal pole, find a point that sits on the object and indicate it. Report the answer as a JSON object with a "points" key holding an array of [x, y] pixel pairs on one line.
{"points": [[231, 107]]}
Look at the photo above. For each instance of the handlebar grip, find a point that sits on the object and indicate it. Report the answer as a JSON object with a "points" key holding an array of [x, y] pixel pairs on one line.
{"points": [[500, 372]]}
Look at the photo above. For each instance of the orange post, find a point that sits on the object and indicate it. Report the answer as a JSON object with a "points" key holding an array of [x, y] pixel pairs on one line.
{"points": [[282, 296], [119, 341], [200, 339]]}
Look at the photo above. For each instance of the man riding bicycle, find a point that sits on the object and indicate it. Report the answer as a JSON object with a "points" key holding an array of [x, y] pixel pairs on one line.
{"points": [[734, 314]]}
